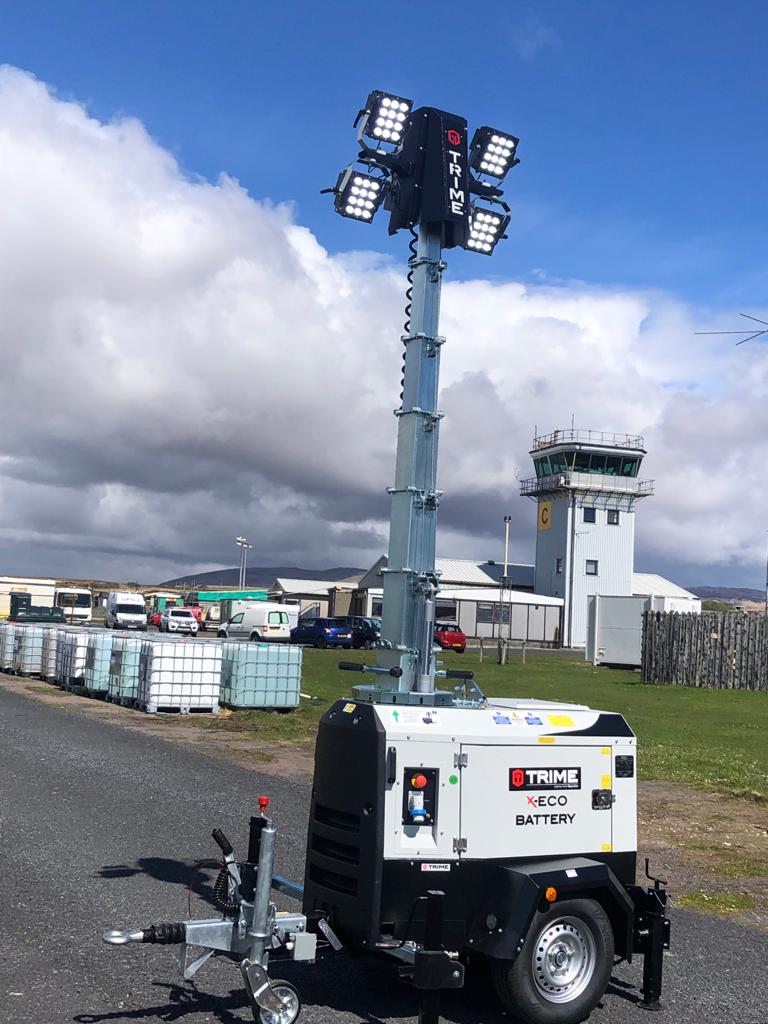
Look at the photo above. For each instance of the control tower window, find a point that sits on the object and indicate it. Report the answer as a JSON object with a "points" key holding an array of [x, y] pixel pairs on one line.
{"points": [[559, 462], [581, 462], [629, 467]]}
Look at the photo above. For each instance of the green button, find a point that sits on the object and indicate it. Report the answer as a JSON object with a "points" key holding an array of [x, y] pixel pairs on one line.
{"points": [[453, 779]]}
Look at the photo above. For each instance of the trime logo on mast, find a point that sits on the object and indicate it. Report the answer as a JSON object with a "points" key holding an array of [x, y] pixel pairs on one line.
{"points": [[457, 196]]}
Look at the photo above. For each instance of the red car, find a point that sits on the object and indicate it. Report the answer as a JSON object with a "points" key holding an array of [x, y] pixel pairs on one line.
{"points": [[450, 637], [154, 620]]}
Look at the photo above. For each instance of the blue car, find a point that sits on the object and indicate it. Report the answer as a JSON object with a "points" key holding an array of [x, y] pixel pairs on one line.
{"points": [[323, 633]]}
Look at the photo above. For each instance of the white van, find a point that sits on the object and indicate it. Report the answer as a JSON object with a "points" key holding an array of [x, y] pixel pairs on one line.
{"points": [[75, 602], [260, 620], [125, 611]]}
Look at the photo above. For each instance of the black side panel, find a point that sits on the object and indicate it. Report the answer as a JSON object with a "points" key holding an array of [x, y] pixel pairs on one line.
{"points": [[505, 888], [346, 823], [608, 725]]}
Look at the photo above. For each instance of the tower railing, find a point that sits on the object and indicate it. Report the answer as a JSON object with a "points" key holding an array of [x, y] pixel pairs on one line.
{"points": [[571, 480], [604, 438]]}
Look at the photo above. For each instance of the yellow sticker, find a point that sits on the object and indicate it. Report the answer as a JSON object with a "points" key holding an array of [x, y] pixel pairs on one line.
{"points": [[605, 750], [606, 847], [564, 721], [605, 782], [349, 708], [546, 739]]}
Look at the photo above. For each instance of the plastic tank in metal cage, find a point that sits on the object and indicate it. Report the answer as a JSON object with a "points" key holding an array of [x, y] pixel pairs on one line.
{"points": [[124, 661], [260, 675], [179, 675]]}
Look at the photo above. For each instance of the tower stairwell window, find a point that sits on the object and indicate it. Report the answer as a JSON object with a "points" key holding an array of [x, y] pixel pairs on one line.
{"points": [[590, 515], [591, 567]]}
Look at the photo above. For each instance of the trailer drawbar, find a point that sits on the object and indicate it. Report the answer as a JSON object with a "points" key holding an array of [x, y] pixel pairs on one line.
{"points": [[446, 828]]}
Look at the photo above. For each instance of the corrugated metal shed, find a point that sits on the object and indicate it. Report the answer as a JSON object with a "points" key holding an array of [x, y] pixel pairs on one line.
{"points": [[515, 597]]}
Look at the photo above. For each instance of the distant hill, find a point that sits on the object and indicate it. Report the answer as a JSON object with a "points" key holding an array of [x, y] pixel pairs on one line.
{"points": [[728, 593], [260, 576]]}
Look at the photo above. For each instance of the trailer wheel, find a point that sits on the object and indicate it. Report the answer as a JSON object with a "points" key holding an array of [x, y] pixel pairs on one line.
{"points": [[285, 991], [564, 967]]}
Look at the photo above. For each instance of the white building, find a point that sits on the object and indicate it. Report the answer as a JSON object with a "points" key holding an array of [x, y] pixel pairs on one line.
{"points": [[39, 590], [587, 487]]}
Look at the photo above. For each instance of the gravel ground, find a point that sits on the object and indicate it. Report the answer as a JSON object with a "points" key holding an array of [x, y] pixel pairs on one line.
{"points": [[103, 827]]}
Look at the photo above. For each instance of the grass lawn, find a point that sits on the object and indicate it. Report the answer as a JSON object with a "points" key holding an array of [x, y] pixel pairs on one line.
{"points": [[712, 739]]}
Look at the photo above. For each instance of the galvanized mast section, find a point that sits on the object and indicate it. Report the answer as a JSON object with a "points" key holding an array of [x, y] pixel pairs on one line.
{"points": [[410, 583]]}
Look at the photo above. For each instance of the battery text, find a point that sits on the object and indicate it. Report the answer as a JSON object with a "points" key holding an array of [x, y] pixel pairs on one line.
{"points": [[544, 819]]}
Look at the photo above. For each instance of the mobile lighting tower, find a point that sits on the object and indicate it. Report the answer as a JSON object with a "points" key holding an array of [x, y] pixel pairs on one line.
{"points": [[444, 189], [445, 827]]}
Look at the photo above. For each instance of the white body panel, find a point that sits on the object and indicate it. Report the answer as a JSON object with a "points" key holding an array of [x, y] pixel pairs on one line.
{"points": [[477, 803]]}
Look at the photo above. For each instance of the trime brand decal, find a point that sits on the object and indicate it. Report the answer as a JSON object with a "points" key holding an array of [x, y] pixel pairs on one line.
{"points": [[444, 866], [456, 171], [544, 819], [522, 779]]}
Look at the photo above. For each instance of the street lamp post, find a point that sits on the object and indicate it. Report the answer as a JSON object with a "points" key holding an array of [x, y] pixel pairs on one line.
{"points": [[242, 543]]}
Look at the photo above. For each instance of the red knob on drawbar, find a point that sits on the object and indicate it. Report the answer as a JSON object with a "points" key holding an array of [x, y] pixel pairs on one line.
{"points": [[263, 804]]}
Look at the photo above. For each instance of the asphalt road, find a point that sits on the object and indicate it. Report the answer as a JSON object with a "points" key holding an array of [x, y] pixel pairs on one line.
{"points": [[101, 827]]}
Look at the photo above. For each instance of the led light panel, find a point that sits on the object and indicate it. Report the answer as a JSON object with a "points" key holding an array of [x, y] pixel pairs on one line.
{"points": [[493, 152], [359, 196], [388, 117], [486, 227]]}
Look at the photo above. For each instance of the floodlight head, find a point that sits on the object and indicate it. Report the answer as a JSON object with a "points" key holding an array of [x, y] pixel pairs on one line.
{"points": [[492, 152], [358, 195], [386, 117], [486, 227]]}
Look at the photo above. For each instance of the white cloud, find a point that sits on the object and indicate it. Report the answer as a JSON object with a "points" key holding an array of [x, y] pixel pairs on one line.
{"points": [[181, 363]]}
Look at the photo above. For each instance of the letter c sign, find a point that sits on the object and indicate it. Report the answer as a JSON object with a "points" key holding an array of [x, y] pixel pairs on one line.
{"points": [[545, 515]]}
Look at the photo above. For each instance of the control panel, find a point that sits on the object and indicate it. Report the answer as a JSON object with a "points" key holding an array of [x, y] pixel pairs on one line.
{"points": [[420, 795]]}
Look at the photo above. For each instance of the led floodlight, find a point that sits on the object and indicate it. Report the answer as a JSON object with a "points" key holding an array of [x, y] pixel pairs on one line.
{"points": [[493, 152], [387, 117], [358, 195], [486, 227]]}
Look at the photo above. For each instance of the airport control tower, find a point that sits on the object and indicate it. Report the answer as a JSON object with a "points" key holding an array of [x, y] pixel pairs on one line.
{"points": [[586, 486]]}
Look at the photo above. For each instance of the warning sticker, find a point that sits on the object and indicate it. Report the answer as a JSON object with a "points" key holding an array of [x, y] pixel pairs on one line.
{"points": [[561, 721], [349, 708], [502, 719]]}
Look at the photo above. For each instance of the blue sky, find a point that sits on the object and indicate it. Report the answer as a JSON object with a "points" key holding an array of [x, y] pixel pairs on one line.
{"points": [[642, 125], [637, 219]]}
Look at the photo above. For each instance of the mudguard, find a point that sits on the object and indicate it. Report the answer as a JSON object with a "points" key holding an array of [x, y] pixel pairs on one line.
{"points": [[515, 893]]}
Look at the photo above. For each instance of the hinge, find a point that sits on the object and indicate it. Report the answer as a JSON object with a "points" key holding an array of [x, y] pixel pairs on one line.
{"points": [[459, 844], [460, 760]]}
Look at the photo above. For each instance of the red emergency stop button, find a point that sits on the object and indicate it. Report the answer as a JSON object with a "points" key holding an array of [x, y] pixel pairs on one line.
{"points": [[419, 781]]}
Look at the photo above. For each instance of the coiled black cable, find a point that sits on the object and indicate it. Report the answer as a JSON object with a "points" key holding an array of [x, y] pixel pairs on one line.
{"points": [[408, 302], [221, 893]]}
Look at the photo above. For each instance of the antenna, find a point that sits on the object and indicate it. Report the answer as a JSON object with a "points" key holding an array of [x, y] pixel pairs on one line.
{"points": [[751, 337]]}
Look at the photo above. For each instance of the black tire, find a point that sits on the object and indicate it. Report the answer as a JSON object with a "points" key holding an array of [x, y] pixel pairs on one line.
{"points": [[285, 990], [255, 637], [321, 642], [528, 986], [222, 633]]}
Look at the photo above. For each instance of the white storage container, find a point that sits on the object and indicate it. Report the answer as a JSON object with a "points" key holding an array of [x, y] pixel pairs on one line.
{"points": [[71, 651], [7, 644], [179, 675], [48, 657], [97, 656], [260, 675], [28, 650], [124, 662]]}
